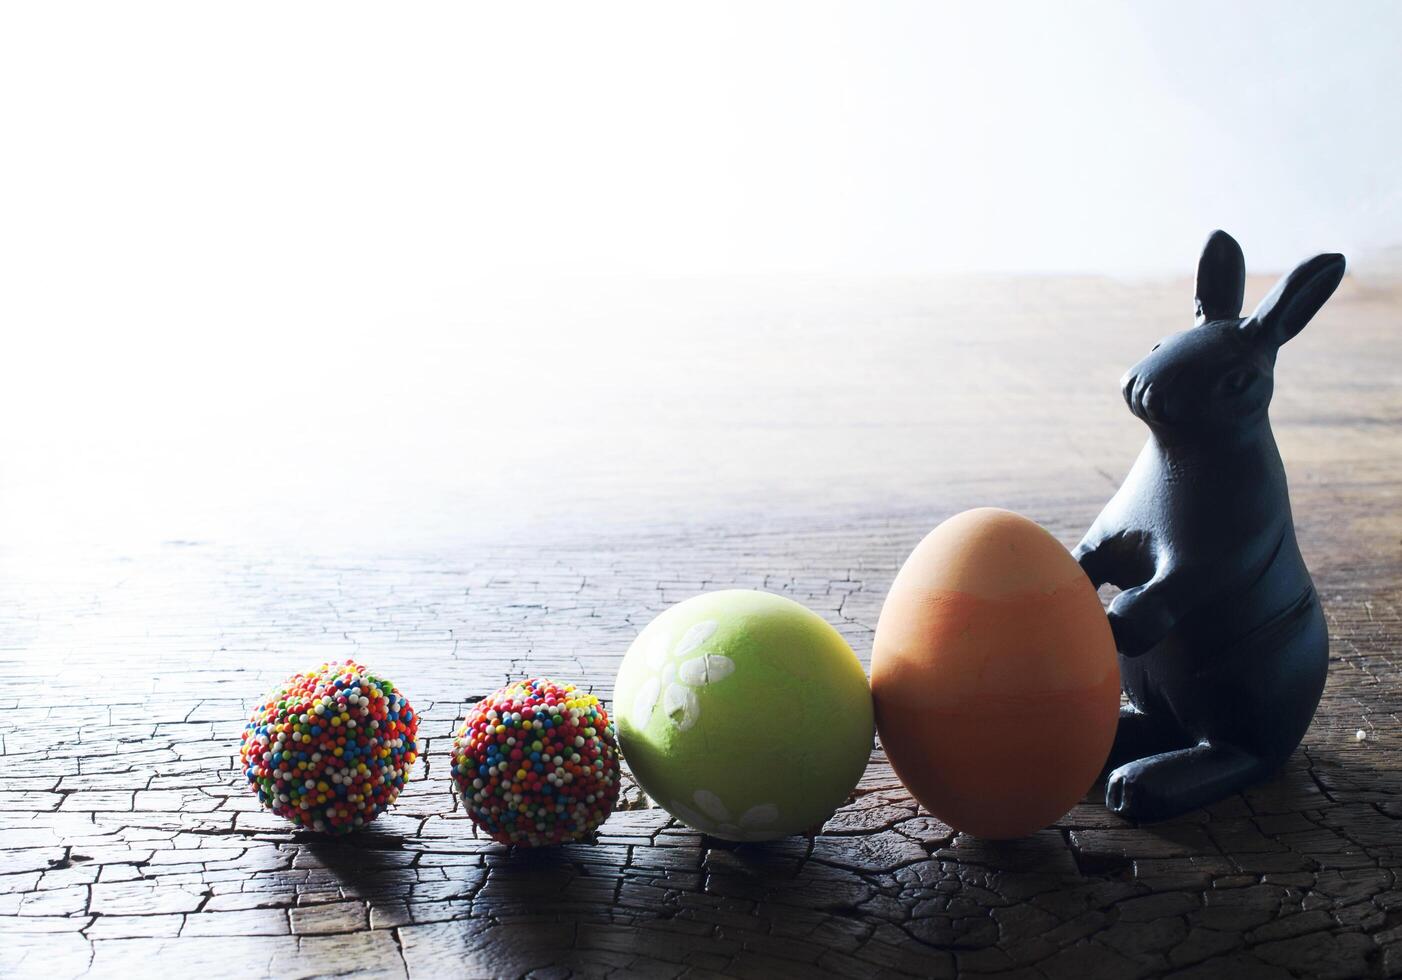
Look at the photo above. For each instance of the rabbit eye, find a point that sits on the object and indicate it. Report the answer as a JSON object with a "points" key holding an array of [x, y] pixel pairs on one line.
{"points": [[1237, 382]]}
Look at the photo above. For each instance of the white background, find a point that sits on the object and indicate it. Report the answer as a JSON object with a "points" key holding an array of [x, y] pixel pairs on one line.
{"points": [[251, 253]]}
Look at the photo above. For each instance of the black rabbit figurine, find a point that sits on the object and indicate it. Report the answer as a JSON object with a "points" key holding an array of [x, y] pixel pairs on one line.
{"points": [[1223, 645]]}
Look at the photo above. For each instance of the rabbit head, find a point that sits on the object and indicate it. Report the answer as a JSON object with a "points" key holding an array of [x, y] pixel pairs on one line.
{"points": [[1219, 374]]}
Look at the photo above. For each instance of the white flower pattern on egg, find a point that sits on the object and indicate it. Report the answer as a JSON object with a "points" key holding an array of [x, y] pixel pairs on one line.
{"points": [[695, 636], [676, 686], [705, 670], [709, 814], [679, 704], [657, 651], [644, 701]]}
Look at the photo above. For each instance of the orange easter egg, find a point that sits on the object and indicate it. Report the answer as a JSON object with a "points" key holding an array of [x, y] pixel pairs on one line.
{"points": [[994, 676]]}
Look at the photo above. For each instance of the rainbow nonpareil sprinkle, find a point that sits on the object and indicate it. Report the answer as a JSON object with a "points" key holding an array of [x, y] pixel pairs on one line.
{"points": [[536, 763], [331, 748]]}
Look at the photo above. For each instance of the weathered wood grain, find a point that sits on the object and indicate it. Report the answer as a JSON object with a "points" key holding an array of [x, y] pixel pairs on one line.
{"points": [[128, 843]]}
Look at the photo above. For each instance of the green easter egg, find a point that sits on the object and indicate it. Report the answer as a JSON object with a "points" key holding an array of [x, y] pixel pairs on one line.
{"points": [[744, 714]]}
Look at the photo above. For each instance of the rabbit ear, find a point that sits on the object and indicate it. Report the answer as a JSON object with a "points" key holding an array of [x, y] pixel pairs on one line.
{"points": [[1221, 279], [1295, 299]]}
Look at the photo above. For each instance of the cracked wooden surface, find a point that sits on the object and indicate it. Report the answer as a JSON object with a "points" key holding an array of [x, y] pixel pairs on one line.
{"points": [[128, 841]]}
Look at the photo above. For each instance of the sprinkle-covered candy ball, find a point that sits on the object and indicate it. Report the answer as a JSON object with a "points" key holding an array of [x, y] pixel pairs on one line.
{"points": [[331, 748], [536, 763], [744, 714]]}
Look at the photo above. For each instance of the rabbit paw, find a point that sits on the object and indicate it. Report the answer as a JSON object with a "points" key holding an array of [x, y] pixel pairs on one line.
{"points": [[1129, 793], [1120, 794], [1169, 784], [1138, 622], [1129, 638]]}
